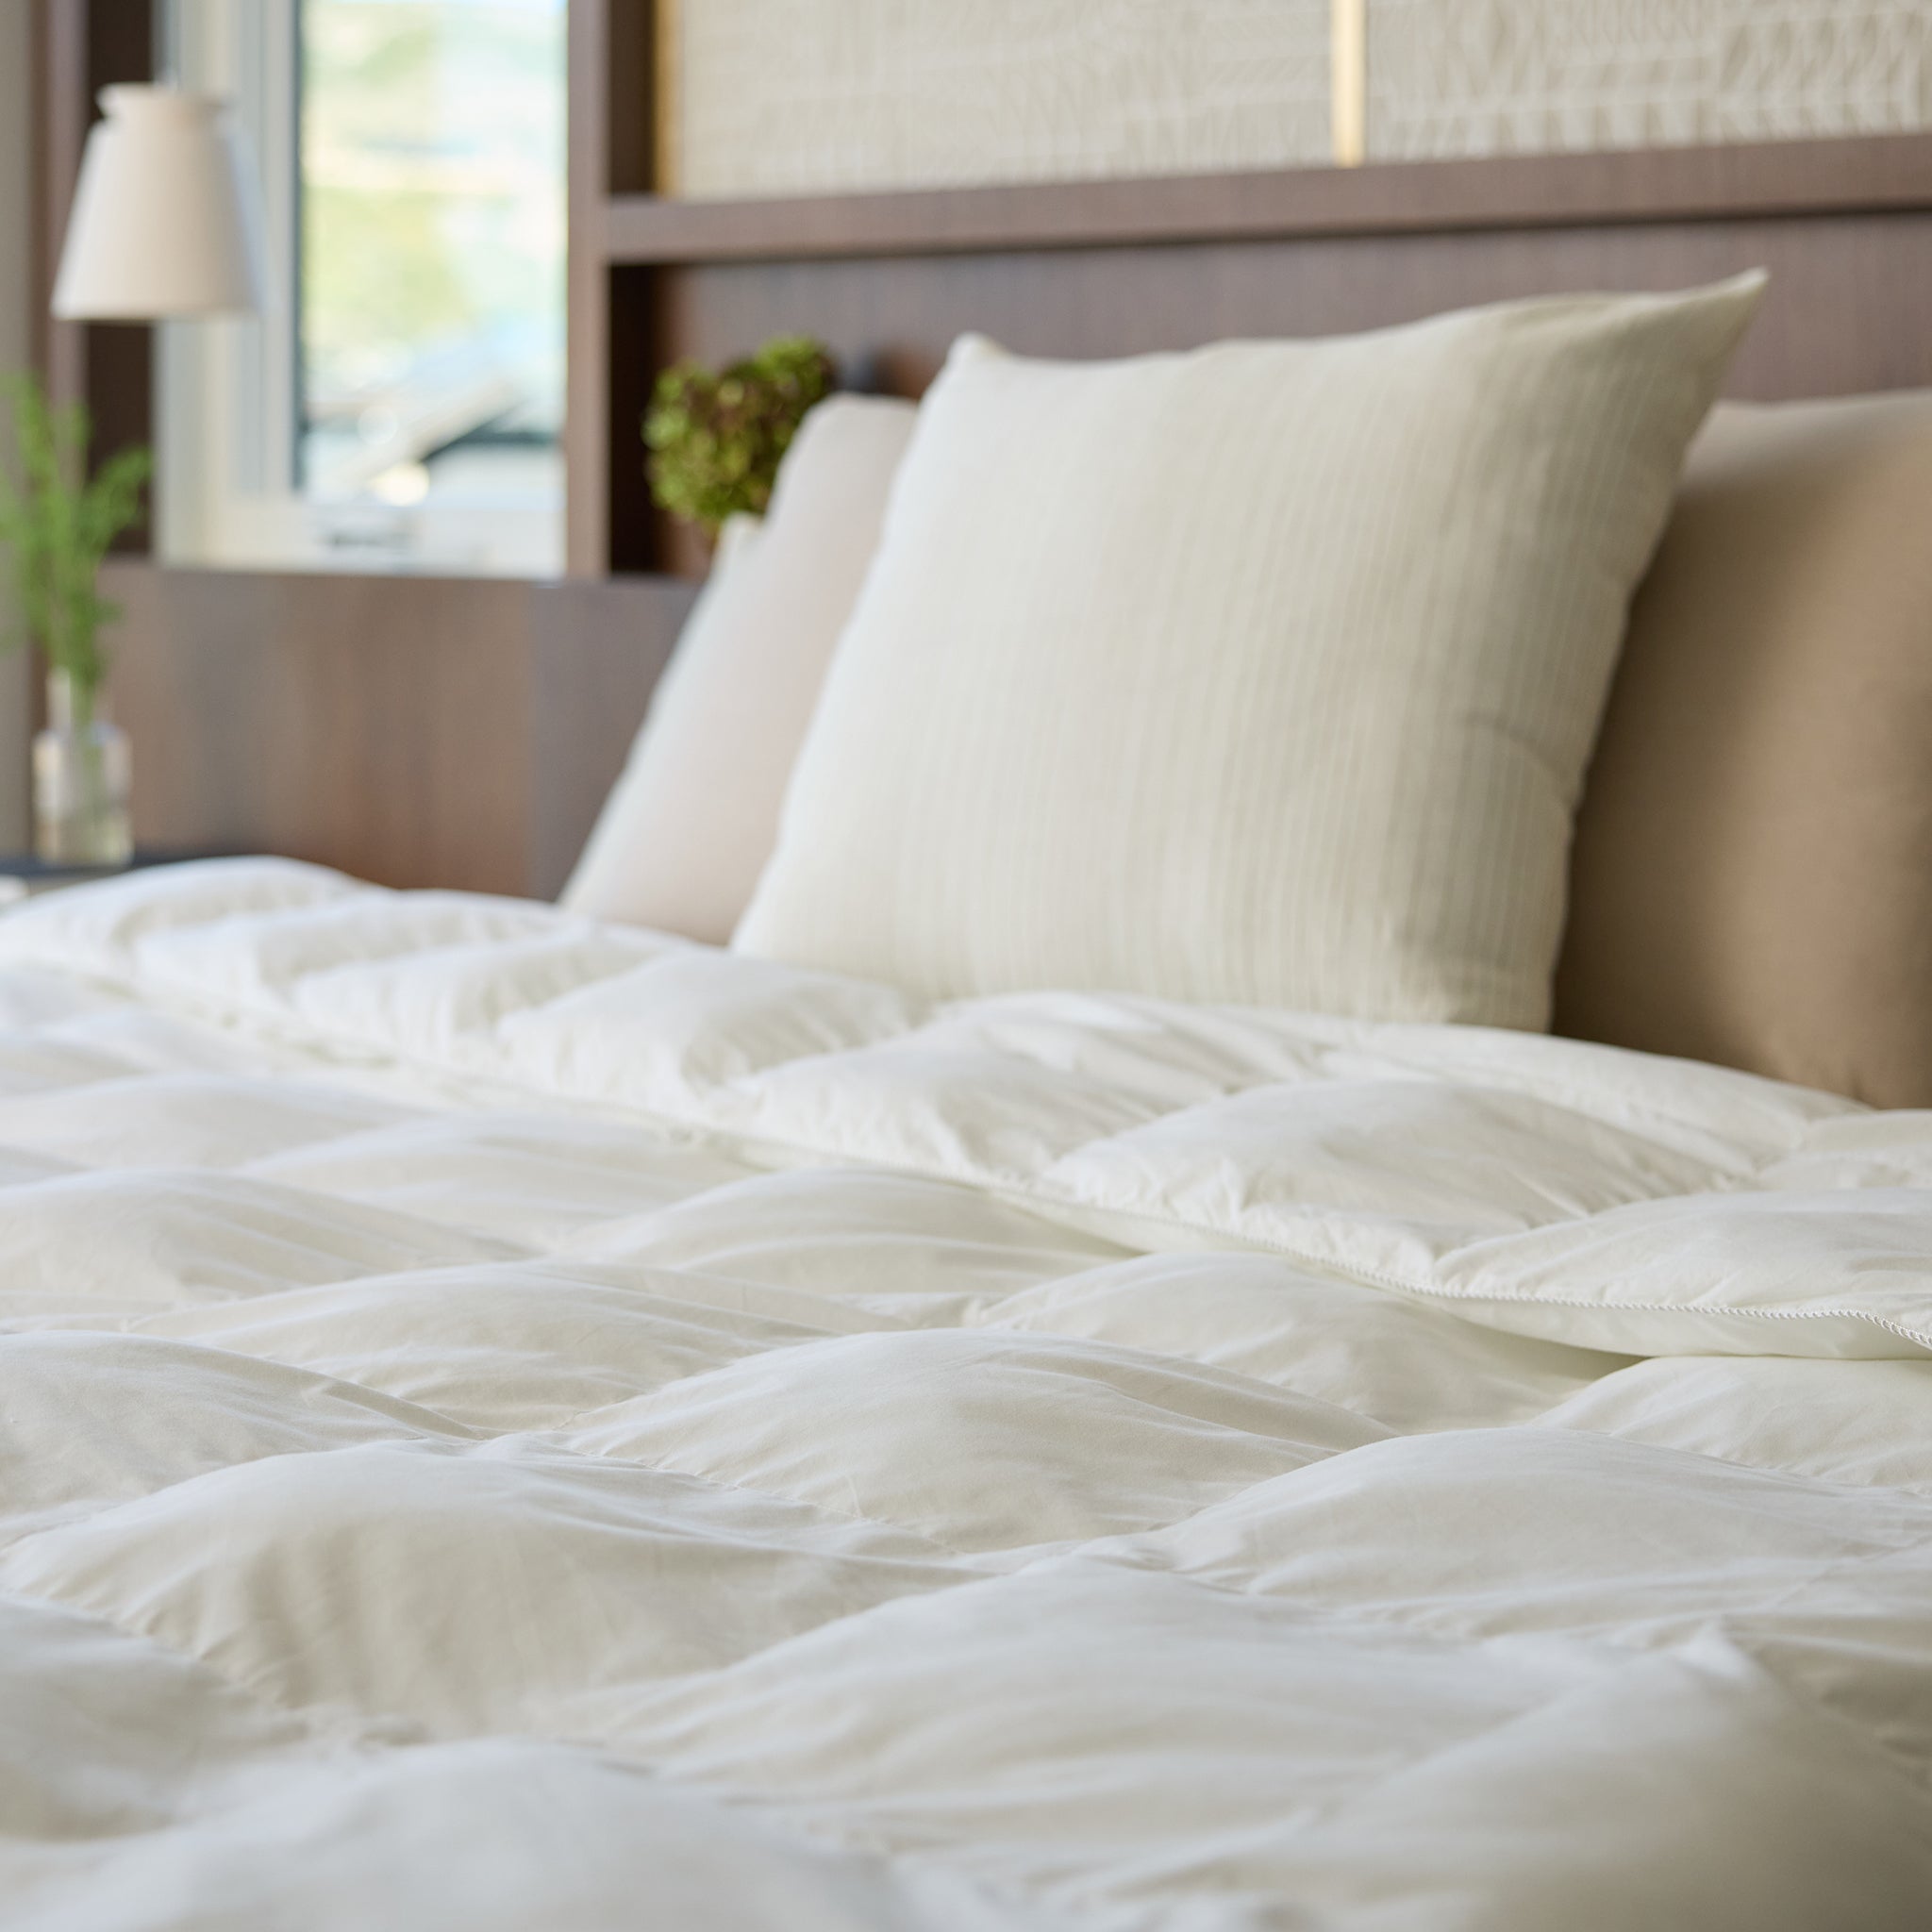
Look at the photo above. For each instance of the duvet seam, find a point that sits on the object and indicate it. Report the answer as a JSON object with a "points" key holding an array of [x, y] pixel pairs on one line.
{"points": [[305, 1032]]}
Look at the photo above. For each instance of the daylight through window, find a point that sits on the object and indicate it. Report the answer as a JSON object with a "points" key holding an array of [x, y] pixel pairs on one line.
{"points": [[432, 210], [400, 403]]}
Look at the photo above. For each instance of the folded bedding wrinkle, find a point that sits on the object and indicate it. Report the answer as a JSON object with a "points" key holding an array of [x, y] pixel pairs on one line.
{"points": [[507, 1423]]}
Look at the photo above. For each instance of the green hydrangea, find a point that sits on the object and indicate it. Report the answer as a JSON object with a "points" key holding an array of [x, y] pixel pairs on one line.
{"points": [[716, 436]]}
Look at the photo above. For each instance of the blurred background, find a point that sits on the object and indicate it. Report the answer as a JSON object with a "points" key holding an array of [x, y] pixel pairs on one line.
{"points": [[402, 399]]}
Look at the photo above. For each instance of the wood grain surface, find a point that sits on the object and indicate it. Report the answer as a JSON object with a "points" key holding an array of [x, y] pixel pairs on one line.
{"points": [[413, 731]]}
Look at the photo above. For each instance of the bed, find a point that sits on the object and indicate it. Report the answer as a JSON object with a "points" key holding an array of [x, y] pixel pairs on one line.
{"points": [[514, 1422]]}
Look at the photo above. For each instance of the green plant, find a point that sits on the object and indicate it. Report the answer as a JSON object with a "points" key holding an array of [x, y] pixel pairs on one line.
{"points": [[57, 525], [716, 436]]}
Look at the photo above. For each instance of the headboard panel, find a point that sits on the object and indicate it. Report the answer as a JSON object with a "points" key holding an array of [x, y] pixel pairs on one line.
{"points": [[1850, 306], [1110, 268]]}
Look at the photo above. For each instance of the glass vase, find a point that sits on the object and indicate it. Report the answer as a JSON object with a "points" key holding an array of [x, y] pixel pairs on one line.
{"points": [[81, 768]]}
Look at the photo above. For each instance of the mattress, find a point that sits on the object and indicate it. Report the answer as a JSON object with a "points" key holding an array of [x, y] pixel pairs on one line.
{"points": [[512, 1423]]}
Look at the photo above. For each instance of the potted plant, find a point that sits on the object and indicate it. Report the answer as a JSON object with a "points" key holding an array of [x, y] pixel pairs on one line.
{"points": [[56, 525], [716, 436]]}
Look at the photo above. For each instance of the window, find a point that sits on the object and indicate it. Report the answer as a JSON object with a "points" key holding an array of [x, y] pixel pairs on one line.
{"points": [[400, 406]]}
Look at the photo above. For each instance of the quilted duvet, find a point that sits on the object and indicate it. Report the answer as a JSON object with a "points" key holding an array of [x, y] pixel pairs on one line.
{"points": [[509, 1422]]}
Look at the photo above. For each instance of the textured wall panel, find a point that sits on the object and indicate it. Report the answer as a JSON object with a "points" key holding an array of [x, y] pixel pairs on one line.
{"points": [[1502, 76], [787, 96]]}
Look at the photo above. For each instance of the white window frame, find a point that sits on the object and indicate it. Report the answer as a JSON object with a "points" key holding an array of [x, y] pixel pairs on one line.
{"points": [[226, 390]]}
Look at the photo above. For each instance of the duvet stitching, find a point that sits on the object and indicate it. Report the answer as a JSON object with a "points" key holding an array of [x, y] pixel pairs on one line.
{"points": [[1020, 1192]]}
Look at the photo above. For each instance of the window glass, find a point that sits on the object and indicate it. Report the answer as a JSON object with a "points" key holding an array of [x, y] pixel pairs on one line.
{"points": [[430, 293]]}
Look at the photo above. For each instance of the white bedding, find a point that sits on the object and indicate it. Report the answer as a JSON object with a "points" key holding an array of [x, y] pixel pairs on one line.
{"points": [[505, 1422]]}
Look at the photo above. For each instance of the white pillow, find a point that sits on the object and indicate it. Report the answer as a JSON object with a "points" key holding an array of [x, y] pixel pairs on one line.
{"points": [[690, 822], [1264, 674]]}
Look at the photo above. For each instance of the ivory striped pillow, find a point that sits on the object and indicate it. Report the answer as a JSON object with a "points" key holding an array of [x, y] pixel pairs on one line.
{"points": [[1265, 673]]}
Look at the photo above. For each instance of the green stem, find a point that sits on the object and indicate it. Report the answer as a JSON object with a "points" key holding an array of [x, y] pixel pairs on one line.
{"points": [[72, 699]]}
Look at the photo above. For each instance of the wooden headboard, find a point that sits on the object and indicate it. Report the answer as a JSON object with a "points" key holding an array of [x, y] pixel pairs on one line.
{"points": [[1111, 267]]}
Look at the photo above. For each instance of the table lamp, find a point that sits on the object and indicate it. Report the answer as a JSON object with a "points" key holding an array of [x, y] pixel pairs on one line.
{"points": [[165, 219]]}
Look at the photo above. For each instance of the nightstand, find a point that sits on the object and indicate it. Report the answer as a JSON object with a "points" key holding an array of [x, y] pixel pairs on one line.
{"points": [[412, 731]]}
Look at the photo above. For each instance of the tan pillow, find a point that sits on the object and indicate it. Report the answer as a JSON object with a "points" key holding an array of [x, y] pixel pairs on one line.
{"points": [[690, 822], [1266, 673], [1752, 882]]}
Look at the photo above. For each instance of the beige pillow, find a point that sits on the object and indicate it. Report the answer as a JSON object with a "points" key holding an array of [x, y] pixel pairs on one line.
{"points": [[690, 822], [1265, 673], [1752, 882]]}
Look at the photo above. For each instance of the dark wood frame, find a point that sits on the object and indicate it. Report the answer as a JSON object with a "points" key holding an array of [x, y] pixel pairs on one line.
{"points": [[1642, 188]]}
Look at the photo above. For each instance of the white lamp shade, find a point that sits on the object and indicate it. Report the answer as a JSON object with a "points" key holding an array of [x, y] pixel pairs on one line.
{"points": [[165, 217]]}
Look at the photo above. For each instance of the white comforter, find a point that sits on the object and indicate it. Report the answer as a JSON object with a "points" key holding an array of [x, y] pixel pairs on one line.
{"points": [[511, 1424]]}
